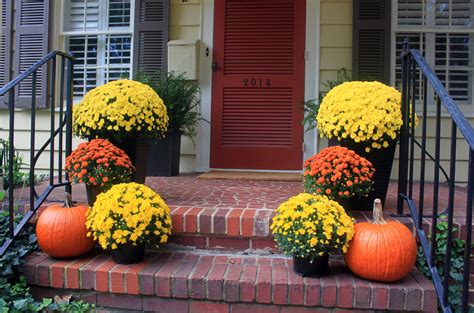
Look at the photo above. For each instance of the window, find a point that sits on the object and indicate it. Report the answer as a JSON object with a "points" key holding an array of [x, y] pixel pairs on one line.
{"points": [[99, 34], [443, 30]]}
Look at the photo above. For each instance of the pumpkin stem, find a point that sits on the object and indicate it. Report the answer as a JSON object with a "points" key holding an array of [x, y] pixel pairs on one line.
{"points": [[378, 214], [68, 201]]}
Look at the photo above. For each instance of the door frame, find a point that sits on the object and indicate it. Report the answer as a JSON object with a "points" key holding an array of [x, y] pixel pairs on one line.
{"points": [[311, 88]]}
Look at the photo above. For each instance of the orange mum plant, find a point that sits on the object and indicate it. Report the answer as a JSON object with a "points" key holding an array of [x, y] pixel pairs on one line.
{"points": [[99, 163], [338, 172]]}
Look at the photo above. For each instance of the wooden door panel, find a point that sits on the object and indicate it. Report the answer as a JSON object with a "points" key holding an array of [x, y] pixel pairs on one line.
{"points": [[258, 84]]}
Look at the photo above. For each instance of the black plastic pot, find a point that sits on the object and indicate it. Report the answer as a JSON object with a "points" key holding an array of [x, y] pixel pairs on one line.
{"points": [[128, 253], [137, 150], [307, 268], [164, 156], [92, 192]]}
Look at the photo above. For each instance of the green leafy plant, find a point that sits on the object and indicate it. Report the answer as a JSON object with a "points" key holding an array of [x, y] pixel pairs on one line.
{"points": [[15, 294], [311, 107], [19, 178], [181, 98], [457, 263]]}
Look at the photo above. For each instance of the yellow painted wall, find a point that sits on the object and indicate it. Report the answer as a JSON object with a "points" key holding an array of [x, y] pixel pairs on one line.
{"points": [[335, 38]]}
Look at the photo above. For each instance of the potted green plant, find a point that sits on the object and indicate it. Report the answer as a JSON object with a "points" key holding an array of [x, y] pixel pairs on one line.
{"points": [[181, 98]]}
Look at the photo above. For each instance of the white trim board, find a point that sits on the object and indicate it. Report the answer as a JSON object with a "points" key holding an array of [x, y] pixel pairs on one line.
{"points": [[312, 69]]}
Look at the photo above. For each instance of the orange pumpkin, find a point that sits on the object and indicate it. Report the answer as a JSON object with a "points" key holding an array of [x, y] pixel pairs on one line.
{"points": [[61, 230], [381, 250]]}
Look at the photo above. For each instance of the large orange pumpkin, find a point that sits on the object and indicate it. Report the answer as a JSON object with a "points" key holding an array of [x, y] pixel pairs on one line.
{"points": [[381, 250], [61, 230]]}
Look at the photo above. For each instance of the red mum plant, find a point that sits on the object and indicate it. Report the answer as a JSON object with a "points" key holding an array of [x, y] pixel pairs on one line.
{"points": [[99, 163], [338, 172]]}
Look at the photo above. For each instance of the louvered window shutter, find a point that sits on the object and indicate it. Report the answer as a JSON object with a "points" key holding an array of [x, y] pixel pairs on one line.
{"points": [[31, 44], [4, 50], [150, 36], [371, 40]]}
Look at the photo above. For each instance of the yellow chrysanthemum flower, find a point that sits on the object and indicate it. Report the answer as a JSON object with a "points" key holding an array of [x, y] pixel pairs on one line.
{"points": [[366, 112], [308, 225], [129, 212], [120, 109]]}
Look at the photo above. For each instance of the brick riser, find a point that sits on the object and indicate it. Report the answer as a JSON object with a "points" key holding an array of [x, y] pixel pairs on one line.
{"points": [[223, 280], [108, 301], [225, 243]]}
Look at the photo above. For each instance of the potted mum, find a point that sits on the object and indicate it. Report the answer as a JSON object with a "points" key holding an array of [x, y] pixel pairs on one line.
{"points": [[126, 112], [98, 164], [340, 174], [365, 117], [310, 227], [127, 217]]}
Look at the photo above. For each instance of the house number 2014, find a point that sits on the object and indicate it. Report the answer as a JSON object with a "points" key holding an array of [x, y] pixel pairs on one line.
{"points": [[256, 82]]}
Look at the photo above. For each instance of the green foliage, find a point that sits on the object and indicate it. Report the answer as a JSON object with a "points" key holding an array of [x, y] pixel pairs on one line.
{"points": [[311, 107], [457, 263], [19, 178], [15, 294], [181, 98]]}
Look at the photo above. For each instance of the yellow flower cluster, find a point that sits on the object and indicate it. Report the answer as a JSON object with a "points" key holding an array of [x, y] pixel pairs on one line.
{"points": [[121, 108], [129, 212], [365, 112], [309, 225]]}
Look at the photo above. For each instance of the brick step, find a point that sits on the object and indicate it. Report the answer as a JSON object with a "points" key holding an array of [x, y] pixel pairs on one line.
{"points": [[222, 279]]}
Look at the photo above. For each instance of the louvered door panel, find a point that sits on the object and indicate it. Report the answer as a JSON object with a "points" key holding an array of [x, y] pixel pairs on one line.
{"points": [[257, 117], [31, 45], [258, 84], [258, 40]]}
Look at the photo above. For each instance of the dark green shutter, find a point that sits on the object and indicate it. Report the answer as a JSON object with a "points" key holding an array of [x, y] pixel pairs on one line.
{"points": [[31, 44], [25, 29], [5, 49], [150, 36], [371, 40]]}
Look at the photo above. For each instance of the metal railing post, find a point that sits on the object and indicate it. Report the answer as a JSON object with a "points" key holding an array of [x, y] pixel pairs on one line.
{"points": [[403, 155], [69, 95]]}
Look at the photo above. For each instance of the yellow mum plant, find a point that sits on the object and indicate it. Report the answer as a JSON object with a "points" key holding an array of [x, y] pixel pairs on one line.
{"points": [[129, 213], [308, 226], [120, 109], [365, 112]]}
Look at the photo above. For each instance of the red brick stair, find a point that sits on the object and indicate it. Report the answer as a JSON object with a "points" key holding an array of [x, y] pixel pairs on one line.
{"points": [[232, 265], [190, 280]]}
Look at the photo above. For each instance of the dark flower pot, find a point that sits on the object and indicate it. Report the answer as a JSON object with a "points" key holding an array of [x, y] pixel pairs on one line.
{"points": [[129, 254], [137, 150], [164, 156], [92, 192], [304, 267], [382, 161], [346, 203]]}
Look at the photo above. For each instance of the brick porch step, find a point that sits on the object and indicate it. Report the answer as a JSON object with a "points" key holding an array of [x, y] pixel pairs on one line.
{"points": [[177, 280]]}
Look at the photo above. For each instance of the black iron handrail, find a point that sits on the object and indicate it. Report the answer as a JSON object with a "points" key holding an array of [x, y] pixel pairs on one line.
{"points": [[56, 100], [415, 67]]}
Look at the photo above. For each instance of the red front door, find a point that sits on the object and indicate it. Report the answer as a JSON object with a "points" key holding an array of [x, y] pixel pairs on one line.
{"points": [[258, 84]]}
